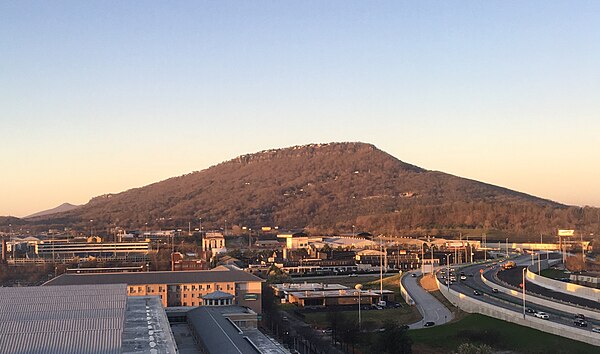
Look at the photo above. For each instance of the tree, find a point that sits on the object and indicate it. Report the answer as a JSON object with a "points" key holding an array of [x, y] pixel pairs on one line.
{"points": [[470, 348], [393, 339]]}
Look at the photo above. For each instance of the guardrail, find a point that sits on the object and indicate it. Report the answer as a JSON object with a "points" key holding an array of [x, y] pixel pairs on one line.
{"points": [[471, 305]]}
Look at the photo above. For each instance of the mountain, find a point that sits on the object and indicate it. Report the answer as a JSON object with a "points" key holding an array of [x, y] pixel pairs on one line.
{"points": [[327, 188], [59, 209]]}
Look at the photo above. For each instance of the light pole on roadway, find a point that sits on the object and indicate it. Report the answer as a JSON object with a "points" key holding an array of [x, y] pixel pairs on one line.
{"points": [[524, 270]]}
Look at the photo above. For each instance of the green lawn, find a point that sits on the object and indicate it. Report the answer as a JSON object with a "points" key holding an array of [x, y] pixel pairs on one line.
{"points": [[498, 334], [372, 318]]}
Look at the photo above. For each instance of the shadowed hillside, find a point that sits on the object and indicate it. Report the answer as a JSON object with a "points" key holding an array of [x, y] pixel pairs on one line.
{"points": [[327, 188]]}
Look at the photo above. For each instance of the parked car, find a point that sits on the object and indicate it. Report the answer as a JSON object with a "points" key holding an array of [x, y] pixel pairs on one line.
{"points": [[542, 315], [463, 277], [580, 323], [429, 324]]}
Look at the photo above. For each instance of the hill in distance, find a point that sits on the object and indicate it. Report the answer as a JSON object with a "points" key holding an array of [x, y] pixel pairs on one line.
{"points": [[59, 209], [328, 188]]}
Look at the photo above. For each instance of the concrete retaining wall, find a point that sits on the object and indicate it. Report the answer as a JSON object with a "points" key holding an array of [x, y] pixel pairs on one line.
{"points": [[541, 301], [567, 288], [471, 305], [409, 300]]}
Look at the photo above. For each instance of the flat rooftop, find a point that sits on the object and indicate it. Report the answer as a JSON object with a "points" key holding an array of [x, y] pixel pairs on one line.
{"points": [[219, 274], [219, 335], [332, 294], [147, 329], [308, 286]]}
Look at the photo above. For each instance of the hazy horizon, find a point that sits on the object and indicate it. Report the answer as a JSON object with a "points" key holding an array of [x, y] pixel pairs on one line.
{"points": [[100, 97]]}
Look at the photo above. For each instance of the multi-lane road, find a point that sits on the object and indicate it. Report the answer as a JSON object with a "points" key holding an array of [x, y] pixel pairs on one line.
{"points": [[474, 283]]}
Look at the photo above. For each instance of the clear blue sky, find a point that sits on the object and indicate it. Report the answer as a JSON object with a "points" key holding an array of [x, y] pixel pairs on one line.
{"points": [[102, 96]]}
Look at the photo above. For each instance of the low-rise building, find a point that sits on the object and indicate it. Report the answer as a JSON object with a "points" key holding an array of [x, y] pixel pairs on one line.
{"points": [[180, 288]]}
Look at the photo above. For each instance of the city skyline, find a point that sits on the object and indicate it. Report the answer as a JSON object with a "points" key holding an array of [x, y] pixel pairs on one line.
{"points": [[102, 97]]}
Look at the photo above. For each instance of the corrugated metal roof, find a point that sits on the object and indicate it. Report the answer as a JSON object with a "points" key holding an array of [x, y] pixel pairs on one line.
{"points": [[70, 319], [51, 315], [82, 342]]}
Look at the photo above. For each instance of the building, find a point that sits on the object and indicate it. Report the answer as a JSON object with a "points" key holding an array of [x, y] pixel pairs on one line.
{"points": [[91, 319], [190, 262], [229, 330], [326, 298], [70, 250], [180, 288], [294, 240], [213, 243]]}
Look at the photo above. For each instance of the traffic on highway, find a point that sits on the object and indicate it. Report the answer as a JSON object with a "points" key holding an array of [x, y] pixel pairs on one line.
{"points": [[467, 280]]}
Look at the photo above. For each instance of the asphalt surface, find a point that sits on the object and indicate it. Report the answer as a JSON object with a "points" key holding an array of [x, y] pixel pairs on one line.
{"points": [[504, 300], [430, 308], [513, 277]]}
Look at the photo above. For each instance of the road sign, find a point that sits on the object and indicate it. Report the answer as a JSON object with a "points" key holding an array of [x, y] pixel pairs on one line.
{"points": [[566, 232]]}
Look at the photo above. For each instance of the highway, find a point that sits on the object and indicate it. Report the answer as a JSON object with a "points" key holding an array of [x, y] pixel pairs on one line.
{"points": [[506, 301], [429, 307]]}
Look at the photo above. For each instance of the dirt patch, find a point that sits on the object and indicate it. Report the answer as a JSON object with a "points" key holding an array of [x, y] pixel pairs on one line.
{"points": [[428, 283]]}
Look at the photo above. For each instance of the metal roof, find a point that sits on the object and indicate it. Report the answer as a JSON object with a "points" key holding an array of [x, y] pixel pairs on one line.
{"points": [[218, 334], [63, 319], [220, 274]]}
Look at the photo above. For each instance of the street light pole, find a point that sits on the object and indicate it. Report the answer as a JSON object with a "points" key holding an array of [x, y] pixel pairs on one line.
{"points": [[507, 247], [359, 288], [448, 271], [524, 270]]}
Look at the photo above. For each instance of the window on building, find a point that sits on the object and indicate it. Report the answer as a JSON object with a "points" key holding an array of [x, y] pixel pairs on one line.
{"points": [[131, 289], [184, 295], [208, 287]]}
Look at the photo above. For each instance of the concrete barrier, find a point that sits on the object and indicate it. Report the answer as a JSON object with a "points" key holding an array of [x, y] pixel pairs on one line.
{"points": [[560, 306], [567, 288], [471, 305], [409, 300]]}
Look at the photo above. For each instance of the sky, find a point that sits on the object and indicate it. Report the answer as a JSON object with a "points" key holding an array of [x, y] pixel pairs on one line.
{"points": [[102, 96]]}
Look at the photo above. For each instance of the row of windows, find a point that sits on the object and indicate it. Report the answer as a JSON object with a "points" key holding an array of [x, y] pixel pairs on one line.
{"points": [[200, 287]]}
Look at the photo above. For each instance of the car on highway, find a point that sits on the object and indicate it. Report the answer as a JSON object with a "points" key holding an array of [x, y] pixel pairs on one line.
{"points": [[530, 310], [352, 275], [463, 277], [580, 323], [429, 324], [413, 275], [580, 315], [596, 329], [542, 315], [476, 293], [495, 290]]}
